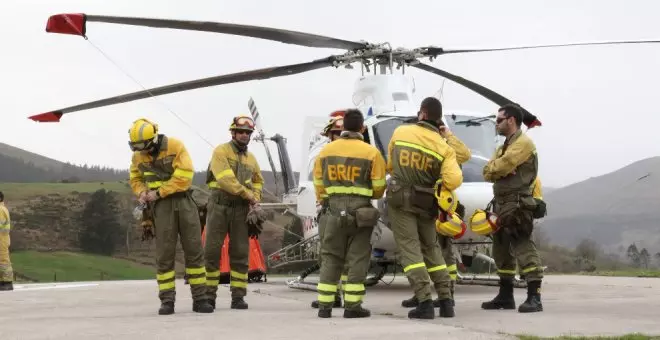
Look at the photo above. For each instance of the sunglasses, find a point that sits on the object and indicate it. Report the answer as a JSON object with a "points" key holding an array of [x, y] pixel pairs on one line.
{"points": [[243, 132], [501, 119]]}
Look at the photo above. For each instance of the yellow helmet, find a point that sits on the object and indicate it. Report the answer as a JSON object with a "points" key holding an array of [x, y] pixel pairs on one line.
{"points": [[450, 225], [335, 123], [242, 122], [142, 135], [483, 222], [446, 200]]}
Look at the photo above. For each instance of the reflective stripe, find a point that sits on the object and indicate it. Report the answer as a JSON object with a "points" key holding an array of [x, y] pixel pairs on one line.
{"points": [[452, 268], [349, 191], [197, 280], [166, 286], [134, 175], [212, 283], [326, 287], [413, 266], [344, 278], [326, 298], [183, 173], [239, 275], [354, 287], [318, 182], [352, 298], [193, 271], [213, 184], [505, 271], [378, 182], [257, 186], [529, 269], [420, 148], [238, 284], [165, 276], [224, 173], [154, 185], [436, 268], [453, 277], [213, 274]]}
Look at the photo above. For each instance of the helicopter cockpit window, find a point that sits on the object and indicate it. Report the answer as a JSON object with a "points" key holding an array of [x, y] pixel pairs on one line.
{"points": [[383, 132], [480, 136]]}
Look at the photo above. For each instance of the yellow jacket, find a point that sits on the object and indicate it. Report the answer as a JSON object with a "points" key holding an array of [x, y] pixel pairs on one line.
{"points": [[463, 153], [235, 173], [170, 172], [348, 165], [5, 220], [537, 191], [518, 152], [418, 155]]}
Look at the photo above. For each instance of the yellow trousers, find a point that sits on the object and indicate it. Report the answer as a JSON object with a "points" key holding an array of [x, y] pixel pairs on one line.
{"points": [[6, 272]]}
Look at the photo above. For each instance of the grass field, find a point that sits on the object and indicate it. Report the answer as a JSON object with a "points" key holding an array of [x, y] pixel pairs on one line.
{"points": [[66, 267], [18, 191]]}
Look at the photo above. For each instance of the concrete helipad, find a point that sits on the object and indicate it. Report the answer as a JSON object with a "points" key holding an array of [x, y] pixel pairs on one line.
{"points": [[574, 305]]}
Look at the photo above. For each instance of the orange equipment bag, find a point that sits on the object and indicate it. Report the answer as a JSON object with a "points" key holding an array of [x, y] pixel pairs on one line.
{"points": [[256, 261]]}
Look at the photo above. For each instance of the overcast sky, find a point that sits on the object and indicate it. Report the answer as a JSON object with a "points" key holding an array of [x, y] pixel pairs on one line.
{"points": [[597, 103]]}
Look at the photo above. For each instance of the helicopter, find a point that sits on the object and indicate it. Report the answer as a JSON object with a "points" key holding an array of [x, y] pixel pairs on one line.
{"points": [[384, 96]]}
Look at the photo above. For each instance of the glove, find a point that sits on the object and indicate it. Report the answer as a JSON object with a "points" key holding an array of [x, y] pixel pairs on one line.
{"points": [[255, 219], [147, 230]]}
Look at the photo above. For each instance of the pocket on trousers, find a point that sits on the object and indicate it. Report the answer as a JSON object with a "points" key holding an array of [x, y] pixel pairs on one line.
{"points": [[423, 198], [541, 210], [366, 216]]}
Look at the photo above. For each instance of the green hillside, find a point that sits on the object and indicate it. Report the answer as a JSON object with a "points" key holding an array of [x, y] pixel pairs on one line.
{"points": [[67, 266]]}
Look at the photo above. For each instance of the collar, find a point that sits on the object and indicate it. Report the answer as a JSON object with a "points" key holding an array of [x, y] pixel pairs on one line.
{"points": [[237, 148], [351, 135], [427, 124], [513, 137]]}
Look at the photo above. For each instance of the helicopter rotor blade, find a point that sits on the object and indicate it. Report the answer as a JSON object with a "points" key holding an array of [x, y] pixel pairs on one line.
{"points": [[264, 73], [76, 24], [435, 51], [529, 119]]}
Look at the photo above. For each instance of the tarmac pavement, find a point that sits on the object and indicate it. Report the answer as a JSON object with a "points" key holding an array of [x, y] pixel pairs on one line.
{"points": [[573, 305]]}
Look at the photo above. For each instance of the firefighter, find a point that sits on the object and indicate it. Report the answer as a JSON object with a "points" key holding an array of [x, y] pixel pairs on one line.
{"points": [[421, 162], [236, 183], [351, 173], [161, 174], [513, 169], [6, 271], [463, 154], [332, 130]]}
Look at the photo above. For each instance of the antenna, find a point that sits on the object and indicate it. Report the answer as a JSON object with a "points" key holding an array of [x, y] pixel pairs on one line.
{"points": [[260, 137]]}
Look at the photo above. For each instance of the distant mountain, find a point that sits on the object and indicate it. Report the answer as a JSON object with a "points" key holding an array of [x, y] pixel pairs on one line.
{"points": [[20, 166], [615, 209]]}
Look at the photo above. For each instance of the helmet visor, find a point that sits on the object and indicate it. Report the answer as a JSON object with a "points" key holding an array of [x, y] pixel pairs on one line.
{"points": [[139, 146], [245, 123]]}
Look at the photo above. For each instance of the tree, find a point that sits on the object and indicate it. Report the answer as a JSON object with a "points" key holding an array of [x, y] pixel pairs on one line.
{"points": [[101, 228], [644, 258], [587, 249], [633, 254]]}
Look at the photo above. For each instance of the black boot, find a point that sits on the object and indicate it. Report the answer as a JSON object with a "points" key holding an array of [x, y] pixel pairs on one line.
{"points": [[357, 313], [212, 303], [446, 308], [533, 302], [315, 303], [325, 312], [6, 286], [202, 306], [423, 311], [504, 299], [409, 303], [166, 308], [238, 303]]}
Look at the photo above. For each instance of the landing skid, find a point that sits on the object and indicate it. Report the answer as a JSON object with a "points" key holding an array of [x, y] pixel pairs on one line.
{"points": [[461, 279]]}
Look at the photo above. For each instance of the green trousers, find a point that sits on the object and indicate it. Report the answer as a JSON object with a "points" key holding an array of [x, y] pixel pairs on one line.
{"points": [[513, 242], [222, 219], [447, 247], [176, 216], [344, 245], [6, 270], [420, 254], [322, 222]]}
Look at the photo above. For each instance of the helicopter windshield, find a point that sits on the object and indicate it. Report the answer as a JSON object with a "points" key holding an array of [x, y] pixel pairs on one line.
{"points": [[479, 137]]}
